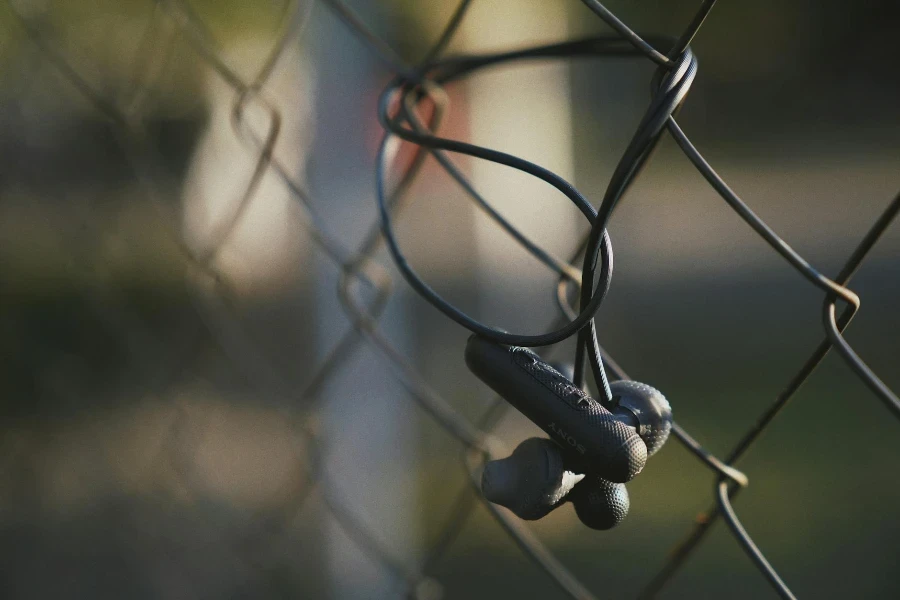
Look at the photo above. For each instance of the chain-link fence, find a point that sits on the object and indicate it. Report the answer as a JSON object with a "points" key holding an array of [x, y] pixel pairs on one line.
{"points": [[267, 482]]}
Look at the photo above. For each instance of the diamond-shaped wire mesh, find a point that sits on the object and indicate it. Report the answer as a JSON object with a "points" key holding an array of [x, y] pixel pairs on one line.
{"points": [[197, 449]]}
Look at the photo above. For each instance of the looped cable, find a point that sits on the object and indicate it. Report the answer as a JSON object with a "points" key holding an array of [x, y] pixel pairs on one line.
{"points": [[392, 96]]}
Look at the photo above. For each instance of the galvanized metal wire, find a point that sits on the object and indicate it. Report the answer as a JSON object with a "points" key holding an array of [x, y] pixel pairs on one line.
{"points": [[411, 109]]}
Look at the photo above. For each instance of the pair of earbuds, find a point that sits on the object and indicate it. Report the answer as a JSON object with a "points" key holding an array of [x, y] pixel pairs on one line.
{"points": [[594, 447]]}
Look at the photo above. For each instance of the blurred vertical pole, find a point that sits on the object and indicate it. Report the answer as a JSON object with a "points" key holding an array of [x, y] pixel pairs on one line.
{"points": [[525, 110]]}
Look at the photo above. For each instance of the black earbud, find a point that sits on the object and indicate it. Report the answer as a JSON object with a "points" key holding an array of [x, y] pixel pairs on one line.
{"points": [[644, 408], [536, 480], [598, 446], [531, 482], [600, 504]]}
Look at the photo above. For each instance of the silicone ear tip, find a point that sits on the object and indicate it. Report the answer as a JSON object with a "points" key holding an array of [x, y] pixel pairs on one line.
{"points": [[531, 482], [498, 482]]}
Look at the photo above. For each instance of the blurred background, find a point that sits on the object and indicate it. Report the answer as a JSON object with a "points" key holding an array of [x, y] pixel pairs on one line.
{"points": [[162, 320]]}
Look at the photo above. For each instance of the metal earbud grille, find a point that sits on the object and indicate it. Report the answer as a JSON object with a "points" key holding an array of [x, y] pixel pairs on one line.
{"points": [[171, 21]]}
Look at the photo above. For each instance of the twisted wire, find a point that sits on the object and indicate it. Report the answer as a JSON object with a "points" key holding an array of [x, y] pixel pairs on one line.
{"points": [[415, 88]]}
